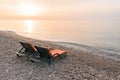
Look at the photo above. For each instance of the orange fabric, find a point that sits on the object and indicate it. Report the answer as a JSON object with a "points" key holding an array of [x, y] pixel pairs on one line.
{"points": [[33, 47], [52, 52]]}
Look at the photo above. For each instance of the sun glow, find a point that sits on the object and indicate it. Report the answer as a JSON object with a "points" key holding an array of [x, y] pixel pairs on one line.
{"points": [[27, 9]]}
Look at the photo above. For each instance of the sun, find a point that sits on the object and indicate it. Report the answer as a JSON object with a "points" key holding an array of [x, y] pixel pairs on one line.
{"points": [[28, 9]]}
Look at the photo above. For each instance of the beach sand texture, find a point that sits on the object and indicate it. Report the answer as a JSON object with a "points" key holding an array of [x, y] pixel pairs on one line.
{"points": [[78, 65]]}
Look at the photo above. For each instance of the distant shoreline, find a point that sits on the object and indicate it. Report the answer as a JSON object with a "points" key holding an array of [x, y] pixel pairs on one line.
{"points": [[99, 51], [108, 53]]}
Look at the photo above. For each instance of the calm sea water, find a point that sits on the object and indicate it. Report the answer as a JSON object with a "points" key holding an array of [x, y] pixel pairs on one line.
{"points": [[93, 33]]}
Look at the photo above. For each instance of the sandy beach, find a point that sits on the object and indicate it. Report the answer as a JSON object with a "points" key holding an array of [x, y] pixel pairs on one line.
{"points": [[80, 63]]}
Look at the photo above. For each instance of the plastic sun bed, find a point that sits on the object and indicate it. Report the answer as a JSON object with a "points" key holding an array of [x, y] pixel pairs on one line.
{"points": [[40, 54], [49, 55], [27, 50]]}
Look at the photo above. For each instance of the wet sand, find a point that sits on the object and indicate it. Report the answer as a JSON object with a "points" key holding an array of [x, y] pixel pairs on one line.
{"points": [[79, 65]]}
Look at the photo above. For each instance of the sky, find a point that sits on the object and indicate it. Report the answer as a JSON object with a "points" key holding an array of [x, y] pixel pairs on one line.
{"points": [[60, 9]]}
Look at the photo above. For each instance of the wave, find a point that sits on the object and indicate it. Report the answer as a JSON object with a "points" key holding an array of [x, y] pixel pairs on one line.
{"points": [[106, 52]]}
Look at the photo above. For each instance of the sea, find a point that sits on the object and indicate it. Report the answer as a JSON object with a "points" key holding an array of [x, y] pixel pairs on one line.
{"points": [[96, 33]]}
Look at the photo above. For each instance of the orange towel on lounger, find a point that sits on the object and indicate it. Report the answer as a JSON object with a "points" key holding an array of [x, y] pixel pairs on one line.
{"points": [[52, 52]]}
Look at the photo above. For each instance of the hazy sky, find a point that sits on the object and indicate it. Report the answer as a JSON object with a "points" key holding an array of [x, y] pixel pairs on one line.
{"points": [[60, 9]]}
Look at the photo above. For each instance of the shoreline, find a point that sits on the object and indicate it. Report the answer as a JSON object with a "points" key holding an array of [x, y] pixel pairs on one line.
{"points": [[101, 51], [108, 53], [82, 61]]}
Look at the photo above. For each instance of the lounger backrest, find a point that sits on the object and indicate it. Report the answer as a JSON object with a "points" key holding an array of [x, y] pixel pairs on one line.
{"points": [[28, 47], [43, 52], [25, 46], [32, 47]]}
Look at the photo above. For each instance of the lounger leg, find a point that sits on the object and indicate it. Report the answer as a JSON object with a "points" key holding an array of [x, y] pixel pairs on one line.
{"points": [[18, 55], [21, 50], [49, 62], [35, 55], [64, 55], [60, 57]]}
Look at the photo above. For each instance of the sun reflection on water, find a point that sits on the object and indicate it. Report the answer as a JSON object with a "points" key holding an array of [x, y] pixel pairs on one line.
{"points": [[29, 25]]}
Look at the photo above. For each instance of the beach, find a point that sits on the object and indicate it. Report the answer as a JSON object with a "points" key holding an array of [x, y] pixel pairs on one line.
{"points": [[80, 63]]}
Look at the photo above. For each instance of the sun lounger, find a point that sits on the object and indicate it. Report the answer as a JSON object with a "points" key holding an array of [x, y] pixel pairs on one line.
{"points": [[40, 54], [28, 50], [49, 55]]}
